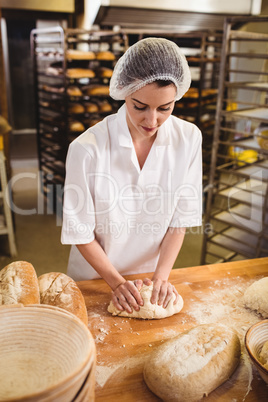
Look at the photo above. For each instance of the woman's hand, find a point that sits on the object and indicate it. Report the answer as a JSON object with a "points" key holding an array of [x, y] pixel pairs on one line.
{"points": [[162, 292], [127, 296]]}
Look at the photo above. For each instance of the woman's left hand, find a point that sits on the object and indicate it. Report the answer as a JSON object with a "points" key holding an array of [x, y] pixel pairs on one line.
{"points": [[162, 292]]}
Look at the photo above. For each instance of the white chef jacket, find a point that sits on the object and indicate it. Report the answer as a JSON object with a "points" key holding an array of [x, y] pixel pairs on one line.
{"points": [[108, 196]]}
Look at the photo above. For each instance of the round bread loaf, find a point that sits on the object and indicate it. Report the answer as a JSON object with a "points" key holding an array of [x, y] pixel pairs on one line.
{"points": [[76, 126], [74, 91], [76, 108], [256, 297], [105, 107], [58, 289], [19, 284], [193, 364], [91, 107]]}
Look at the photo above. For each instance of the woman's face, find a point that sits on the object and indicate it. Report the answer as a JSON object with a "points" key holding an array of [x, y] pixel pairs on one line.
{"points": [[148, 108]]}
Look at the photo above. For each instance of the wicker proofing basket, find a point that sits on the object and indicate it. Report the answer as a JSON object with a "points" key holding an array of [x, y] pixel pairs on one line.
{"points": [[46, 354], [255, 338]]}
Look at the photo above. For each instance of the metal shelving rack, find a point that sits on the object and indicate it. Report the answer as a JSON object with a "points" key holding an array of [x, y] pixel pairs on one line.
{"points": [[236, 219], [58, 92]]}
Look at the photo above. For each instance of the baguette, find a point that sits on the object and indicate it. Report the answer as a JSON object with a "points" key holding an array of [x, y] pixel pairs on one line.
{"points": [[58, 289], [19, 284], [193, 364]]}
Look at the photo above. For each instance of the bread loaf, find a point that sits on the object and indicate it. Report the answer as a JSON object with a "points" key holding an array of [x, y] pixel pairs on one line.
{"points": [[91, 107], [105, 55], [76, 108], [76, 126], [105, 72], [80, 73], [193, 364], [74, 91], [97, 90], [105, 107], [74, 54], [58, 289], [19, 284]]}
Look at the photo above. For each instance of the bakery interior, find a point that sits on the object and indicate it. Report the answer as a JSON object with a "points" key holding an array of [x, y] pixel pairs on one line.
{"points": [[226, 46]]}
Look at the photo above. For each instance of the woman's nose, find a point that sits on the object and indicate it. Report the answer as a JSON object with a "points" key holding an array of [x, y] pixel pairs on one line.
{"points": [[151, 118]]}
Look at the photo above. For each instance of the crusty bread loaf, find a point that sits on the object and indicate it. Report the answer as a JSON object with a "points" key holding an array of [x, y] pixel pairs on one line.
{"points": [[76, 126], [97, 90], [105, 55], [74, 91], [19, 284], [193, 364], [76, 108], [105, 107], [80, 73], [75, 54], [91, 107], [105, 72], [58, 289]]}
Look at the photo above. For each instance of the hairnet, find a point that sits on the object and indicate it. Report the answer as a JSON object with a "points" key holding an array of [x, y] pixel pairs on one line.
{"points": [[146, 61]]}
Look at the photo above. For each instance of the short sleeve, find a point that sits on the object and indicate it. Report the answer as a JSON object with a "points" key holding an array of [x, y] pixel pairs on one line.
{"points": [[188, 210], [78, 206]]}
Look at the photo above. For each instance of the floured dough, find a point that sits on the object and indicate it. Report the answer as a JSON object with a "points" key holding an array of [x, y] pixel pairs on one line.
{"points": [[149, 310], [264, 355], [256, 297], [193, 364]]}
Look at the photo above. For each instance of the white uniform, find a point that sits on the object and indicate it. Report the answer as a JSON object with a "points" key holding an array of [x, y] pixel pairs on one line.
{"points": [[127, 209]]}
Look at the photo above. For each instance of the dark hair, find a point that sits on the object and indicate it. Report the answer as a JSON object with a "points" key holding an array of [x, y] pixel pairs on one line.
{"points": [[164, 83]]}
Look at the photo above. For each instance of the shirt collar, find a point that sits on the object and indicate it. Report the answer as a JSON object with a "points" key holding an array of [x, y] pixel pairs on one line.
{"points": [[124, 137]]}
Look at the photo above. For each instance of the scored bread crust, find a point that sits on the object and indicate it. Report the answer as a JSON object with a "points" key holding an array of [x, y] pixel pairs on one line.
{"points": [[193, 364], [58, 289], [19, 284]]}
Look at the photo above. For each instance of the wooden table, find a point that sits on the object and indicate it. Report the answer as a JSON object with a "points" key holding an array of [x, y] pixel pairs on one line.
{"points": [[211, 293]]}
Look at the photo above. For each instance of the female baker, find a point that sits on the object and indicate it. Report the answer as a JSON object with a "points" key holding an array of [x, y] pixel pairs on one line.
{"points": [[133, 181]]}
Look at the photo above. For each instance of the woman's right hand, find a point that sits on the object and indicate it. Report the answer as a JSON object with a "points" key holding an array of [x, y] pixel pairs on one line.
{"points": [[127, 296]]}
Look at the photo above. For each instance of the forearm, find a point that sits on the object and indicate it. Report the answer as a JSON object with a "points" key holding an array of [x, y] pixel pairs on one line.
{"points": [[97, 258], [169, 250]]}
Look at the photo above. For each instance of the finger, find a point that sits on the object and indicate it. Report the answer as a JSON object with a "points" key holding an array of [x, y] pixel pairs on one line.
{"points": [[138, 283], [169, 295], [133, 296], [155, 292], [176, 295], [147, 281], [163, 293], [125, 299], [116, 303]]}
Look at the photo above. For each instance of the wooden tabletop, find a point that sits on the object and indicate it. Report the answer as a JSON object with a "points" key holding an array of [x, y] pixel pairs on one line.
{"points": [[211, 293]]}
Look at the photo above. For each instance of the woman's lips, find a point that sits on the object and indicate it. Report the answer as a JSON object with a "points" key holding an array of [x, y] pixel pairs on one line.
{"points": [[149, 129]]}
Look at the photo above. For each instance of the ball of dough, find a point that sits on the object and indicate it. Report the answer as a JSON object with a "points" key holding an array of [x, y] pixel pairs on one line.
{"points": [[264, 355], [193, 364], [149, 310], [256, 297]]}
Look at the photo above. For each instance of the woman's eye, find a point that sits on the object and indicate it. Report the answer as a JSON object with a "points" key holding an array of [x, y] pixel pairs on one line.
{"points": [[139, 108], [164, 109]]}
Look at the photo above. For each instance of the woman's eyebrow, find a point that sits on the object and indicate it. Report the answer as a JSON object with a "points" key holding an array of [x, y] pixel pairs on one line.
{"points": [[145, 104]]}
